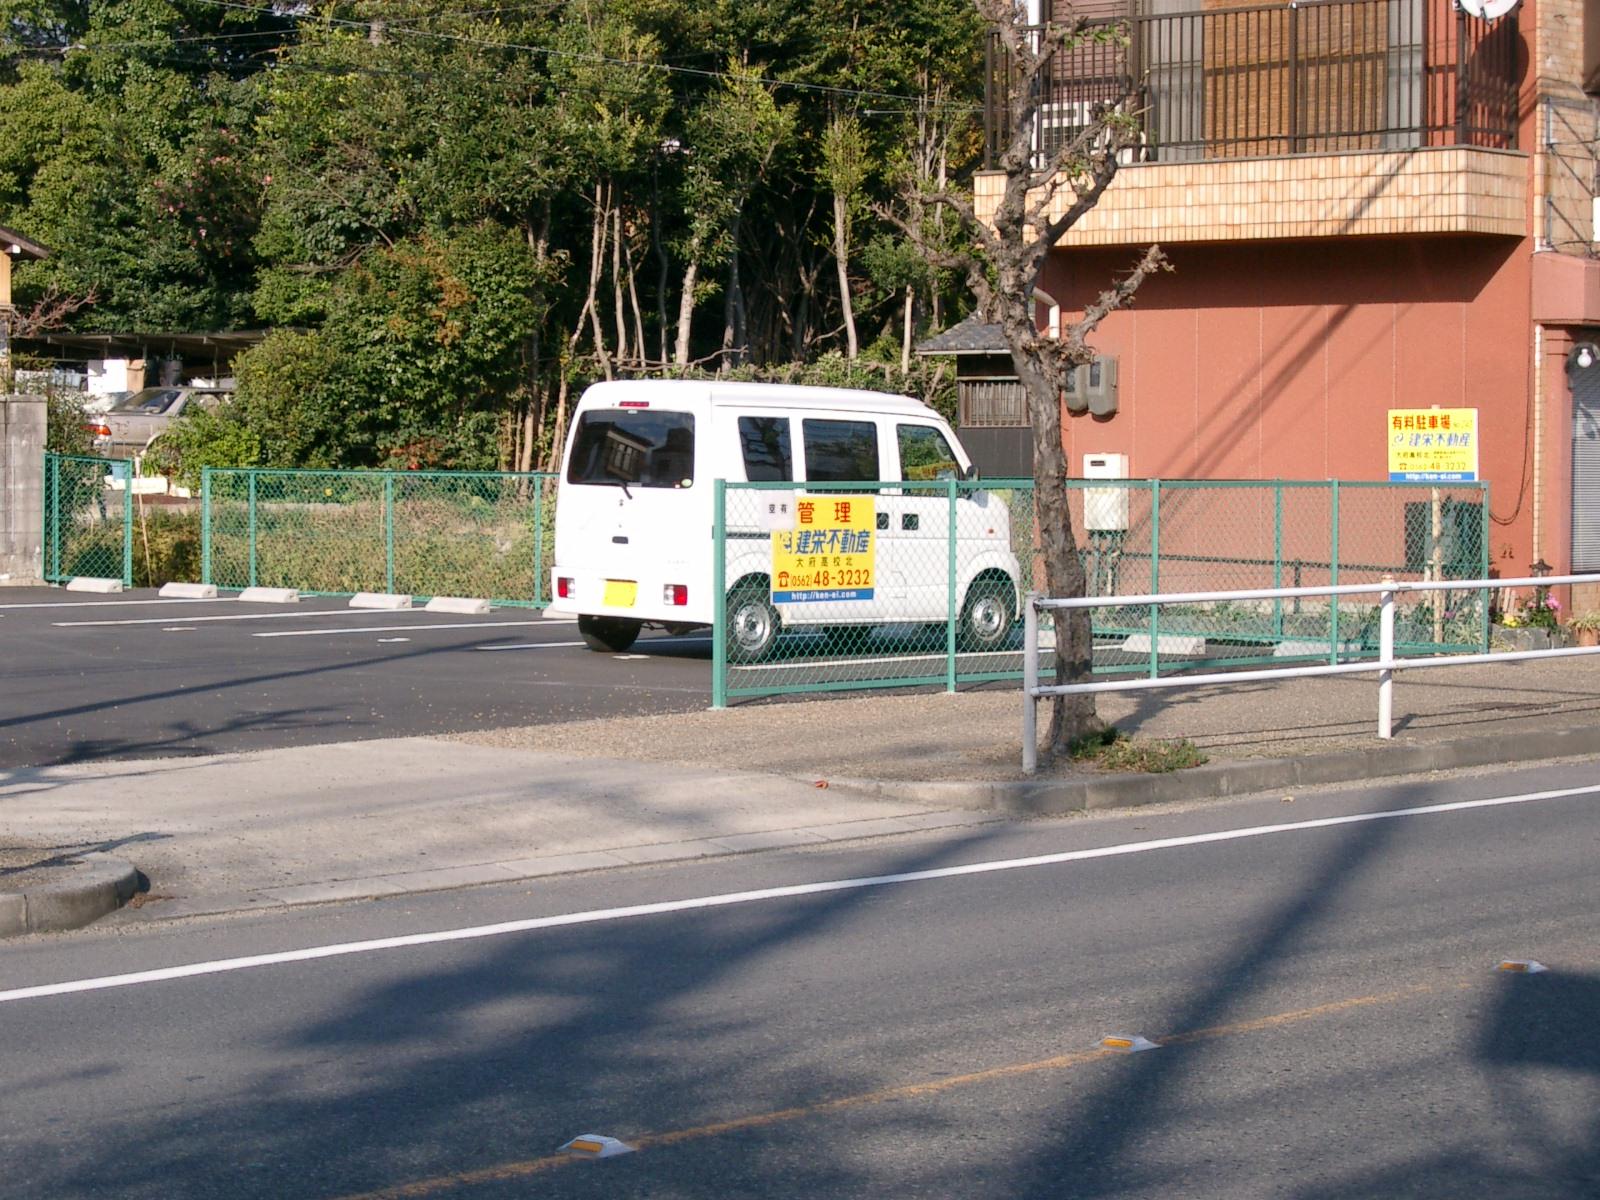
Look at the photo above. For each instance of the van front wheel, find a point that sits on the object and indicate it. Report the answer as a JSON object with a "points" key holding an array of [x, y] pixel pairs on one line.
{"points": [[752, 624], [611, 635]]}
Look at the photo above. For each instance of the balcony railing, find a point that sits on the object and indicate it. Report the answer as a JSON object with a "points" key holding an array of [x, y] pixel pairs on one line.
{"points": [[1314, 77]]}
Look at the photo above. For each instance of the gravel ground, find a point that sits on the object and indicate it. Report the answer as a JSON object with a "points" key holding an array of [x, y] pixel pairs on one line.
{"points": [[976, 734]]}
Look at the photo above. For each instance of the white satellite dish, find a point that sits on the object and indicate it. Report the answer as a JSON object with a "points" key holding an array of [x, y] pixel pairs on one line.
{"points": [[1489, 10]]}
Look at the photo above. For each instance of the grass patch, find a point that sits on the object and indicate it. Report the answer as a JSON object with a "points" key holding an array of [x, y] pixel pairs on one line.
{"points": [[1110, 750]]}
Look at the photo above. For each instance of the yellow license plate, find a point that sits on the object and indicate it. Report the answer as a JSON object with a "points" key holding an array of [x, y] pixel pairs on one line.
{"points": [[621, 593]]}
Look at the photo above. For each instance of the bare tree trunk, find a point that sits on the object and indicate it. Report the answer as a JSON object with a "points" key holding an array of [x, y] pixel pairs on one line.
{"points": [[733, 315], [910, 327], [621, 309], [597, 250], [841, 262], [633, 297], [680, 354], [1072, 717]]}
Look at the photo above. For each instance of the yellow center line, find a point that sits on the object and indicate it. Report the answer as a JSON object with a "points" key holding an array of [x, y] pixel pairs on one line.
{"points": [[908, 1091]]}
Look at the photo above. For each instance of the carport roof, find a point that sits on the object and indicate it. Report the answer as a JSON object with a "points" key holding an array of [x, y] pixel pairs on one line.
{"points": [[137, 345], [14, 243]]}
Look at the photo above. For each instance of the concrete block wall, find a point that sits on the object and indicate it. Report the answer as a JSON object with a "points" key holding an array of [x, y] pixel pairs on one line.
{"points": [[22, 435]]}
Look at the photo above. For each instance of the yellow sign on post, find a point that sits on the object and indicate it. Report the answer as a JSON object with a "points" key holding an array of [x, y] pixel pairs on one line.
{"points": [[1433, 445], [829, 554]]}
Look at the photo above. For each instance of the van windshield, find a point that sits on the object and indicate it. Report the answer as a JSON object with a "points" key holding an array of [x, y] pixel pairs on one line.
{"points": [[633, 448]]}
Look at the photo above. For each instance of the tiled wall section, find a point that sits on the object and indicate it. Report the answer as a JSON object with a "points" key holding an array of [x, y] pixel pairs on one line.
{"points": [[1455, 189], [1568, 120]]}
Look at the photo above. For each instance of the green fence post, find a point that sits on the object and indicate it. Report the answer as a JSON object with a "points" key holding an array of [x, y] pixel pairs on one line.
{"points": [[1333, 573], [127, 523], [538, 541], [1277, 557], [205, 524], [1483, 565], [950, 575], [719, 585], [251, 509], [1155, 577], [55, 518], [388, 532]]}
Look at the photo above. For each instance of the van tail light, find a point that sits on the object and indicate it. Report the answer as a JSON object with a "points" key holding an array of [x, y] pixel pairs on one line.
{"points": [[98, 430], [564, 588], [675, 594]]}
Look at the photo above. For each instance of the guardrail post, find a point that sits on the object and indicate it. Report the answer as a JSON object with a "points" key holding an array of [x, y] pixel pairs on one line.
{"points": [[1030, 683], [1277, 557], [1386, 660], [1155, 578], [1333, 574]]}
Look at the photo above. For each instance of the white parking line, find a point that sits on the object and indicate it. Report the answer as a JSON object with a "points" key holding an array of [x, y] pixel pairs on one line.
{"points": [[645, 642], [530, 646], [389, 628], [808, 663], [250, 616], [727, 899], [118, 603]]}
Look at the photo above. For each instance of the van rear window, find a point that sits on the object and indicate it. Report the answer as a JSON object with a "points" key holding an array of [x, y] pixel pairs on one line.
{"points": [[641, 449]]}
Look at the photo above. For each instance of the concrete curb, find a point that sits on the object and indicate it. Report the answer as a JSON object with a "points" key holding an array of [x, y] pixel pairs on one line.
{"points": [[1239, 777], [101, 884]]}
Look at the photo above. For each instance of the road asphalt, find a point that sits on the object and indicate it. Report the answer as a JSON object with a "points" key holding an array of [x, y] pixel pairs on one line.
{"points": [[250, 831]]}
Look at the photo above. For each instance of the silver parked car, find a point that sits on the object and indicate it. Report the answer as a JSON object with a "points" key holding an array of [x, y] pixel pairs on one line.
{"points": [[133, 422]]}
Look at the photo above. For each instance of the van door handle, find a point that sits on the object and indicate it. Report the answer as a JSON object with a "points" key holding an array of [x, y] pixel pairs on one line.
{"points": [[909, 520], [883, 520]]}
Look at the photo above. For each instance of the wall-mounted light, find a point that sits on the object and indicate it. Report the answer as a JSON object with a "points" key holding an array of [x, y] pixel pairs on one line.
{"points": [[1583, 356]]}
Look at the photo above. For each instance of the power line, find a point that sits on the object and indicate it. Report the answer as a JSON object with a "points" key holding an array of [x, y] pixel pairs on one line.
{"points": [[912, 103]]}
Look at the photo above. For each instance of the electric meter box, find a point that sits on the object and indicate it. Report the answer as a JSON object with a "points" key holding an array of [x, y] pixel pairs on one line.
{"points": [[1105, 509]]}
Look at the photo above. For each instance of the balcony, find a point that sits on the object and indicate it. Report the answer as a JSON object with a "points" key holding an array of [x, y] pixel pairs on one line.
{"points": [[1316, 119]]}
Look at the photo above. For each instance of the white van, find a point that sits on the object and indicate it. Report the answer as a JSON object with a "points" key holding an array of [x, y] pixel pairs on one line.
{"points": [[635, 514]]}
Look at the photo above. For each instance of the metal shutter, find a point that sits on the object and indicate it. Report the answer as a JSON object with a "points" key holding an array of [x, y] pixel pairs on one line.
{"points": [[1586, 469]]}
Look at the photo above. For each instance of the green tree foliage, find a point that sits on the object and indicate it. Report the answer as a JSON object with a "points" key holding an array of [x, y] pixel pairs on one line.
{"points": [[452, 215]]}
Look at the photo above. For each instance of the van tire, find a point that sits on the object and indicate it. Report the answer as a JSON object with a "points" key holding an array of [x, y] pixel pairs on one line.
{"points": [[988, 615], [610, 635], [753, 624]]}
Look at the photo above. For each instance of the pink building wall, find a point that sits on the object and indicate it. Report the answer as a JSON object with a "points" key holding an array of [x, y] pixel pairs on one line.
{"points": [[1271, 360]]}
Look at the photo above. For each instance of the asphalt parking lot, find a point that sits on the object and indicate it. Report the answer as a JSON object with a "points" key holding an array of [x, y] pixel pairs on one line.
{"points": [[133, 676]]}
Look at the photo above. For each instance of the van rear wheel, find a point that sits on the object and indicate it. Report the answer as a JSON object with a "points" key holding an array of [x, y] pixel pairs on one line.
{"points": [[753, 624], [987, 616], [611, 635]]}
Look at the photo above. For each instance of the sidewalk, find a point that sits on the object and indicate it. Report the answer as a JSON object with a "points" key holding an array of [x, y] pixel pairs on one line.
{"points": [[254, 831]]}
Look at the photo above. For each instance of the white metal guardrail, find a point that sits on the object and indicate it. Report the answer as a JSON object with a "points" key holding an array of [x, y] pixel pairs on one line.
{"points": [[1385, 664]]}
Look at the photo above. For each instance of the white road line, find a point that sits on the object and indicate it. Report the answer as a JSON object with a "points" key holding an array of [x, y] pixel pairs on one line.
{"points": [[726, 899], [389, 628], [119, 603]]}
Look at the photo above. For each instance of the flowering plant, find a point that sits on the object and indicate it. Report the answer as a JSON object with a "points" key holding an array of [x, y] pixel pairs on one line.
{"points": [[1543, 611]]}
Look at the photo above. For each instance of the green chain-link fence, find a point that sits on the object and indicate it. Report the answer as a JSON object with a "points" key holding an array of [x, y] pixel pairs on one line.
{"points": [[422, 533], [951, 559], [88, 518]]}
